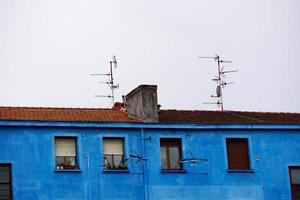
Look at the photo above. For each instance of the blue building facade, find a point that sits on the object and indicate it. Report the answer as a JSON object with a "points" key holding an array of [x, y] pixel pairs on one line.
{"points": [[30, 148]]}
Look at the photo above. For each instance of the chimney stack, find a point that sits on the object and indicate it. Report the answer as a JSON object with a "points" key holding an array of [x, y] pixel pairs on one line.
{"points": [[141, 103]]}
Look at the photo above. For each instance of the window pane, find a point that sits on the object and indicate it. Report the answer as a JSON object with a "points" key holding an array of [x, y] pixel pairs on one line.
{"points": [[70, 161], [295, 176], [108, 164], [174, 158], [163, 156], [295, 182], [117, 160], [60, 160], [114, 162], [5, 182], [66, 162], [296, 192], [4, 174], [5, 191], [170, 153], [170, 142]]}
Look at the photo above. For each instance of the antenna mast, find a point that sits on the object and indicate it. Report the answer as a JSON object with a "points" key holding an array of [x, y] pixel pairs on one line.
{"points": [[219, 80], [110, 82]]}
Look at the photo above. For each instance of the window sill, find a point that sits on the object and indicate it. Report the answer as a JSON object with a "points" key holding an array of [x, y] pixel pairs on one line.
{"points": [[68, 170], [240, 170], [115, 171], [180, 171]]}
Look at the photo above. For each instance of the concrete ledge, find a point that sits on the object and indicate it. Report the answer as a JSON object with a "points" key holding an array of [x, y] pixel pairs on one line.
{"points": [[181, 171], [115, 171], [241, 171], [68, 170]]}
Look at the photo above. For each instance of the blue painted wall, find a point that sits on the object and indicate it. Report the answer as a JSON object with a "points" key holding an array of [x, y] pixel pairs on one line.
{"points": [[31, 150]]}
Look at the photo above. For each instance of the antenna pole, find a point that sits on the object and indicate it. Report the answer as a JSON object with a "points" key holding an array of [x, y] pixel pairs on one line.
{"points": [[219, 67], [220, 81], [112, 82]]}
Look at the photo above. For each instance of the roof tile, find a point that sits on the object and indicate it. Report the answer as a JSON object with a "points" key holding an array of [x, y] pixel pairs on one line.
{"points": [[165, 116], [64, 114], [196, 116]]}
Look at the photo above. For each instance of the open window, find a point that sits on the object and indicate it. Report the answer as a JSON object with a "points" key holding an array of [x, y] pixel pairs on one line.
{"points": [[66, 153], [5, 182], [237, 153], [114, 158], [170, 153]]}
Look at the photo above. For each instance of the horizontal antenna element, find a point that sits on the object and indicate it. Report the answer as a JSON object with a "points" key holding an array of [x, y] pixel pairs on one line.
{"points": [[100, 74]]}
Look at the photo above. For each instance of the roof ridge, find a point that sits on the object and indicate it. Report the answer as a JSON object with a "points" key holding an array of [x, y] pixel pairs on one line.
{"points": [[245, 117], [231, 111], [41, 107], [179, 110], [188, 110], [266, 112]]}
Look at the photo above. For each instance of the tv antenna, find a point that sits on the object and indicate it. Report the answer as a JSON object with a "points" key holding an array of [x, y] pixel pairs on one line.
{"points": [[192, 159], [219, 80], [135, 156], [110, 82]]}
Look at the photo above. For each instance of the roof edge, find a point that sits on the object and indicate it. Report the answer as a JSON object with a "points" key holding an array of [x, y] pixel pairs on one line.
{"points": [[141, 125]]}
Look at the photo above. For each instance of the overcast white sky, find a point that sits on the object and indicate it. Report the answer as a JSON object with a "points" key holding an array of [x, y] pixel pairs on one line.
{"points": [[48, 48]]}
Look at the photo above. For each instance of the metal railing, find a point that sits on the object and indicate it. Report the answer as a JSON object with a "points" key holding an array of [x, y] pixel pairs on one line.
{"points": [[66, 162]]}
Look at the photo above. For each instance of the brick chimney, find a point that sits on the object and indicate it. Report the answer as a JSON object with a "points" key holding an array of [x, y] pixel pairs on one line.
{"points": [[141, 103]]}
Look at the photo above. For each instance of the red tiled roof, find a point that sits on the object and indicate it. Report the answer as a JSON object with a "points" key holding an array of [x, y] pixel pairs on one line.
{"points": [[64, 114], [165, 116], [202, 117]]}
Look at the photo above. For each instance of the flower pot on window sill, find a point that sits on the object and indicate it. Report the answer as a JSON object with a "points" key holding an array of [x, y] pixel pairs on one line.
{"points": [[69, 167]]}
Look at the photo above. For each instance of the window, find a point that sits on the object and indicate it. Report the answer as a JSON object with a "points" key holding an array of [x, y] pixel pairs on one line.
{"points": [[237, 153], [114, 153], [5, 182], [65, 148], [295, 182], [170, 153]]}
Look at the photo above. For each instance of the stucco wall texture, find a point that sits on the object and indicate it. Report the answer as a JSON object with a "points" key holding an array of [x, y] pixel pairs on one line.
{"points": [[31, 151]]}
